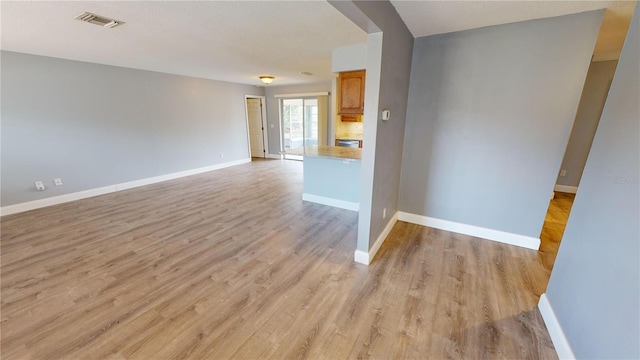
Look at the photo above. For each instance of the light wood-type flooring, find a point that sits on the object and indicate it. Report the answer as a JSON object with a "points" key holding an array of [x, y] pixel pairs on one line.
{"points": [[232, 264], [554, 225]]}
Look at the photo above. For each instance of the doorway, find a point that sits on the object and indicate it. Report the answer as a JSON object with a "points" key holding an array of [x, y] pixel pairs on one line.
{"points": [[585, 124], [302, 121], [256, 126]]}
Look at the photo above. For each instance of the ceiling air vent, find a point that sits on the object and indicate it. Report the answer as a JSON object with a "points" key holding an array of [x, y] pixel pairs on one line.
{"points": [[99, 20]]}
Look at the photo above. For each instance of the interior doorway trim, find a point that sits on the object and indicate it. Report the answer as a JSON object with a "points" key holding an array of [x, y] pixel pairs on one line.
{"points": [[265, 128]]}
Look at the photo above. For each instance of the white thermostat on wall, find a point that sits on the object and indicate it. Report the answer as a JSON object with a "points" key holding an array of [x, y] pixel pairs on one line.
{"points": [[386, 114]]}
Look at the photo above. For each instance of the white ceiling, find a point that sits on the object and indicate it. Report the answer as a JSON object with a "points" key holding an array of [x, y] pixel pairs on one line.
{"points": [[239, 40], [231, 41], [425, 18]]}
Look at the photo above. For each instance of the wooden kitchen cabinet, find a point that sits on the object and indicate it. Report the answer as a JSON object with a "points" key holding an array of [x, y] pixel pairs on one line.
{"points": [[351, 93]]}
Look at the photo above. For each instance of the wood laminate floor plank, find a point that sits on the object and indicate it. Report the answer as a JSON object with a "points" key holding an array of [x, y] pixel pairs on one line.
{"points": [[233, 264]]}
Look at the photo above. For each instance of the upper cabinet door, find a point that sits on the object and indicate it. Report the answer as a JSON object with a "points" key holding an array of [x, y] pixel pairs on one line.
{"points": [[351, 92]]}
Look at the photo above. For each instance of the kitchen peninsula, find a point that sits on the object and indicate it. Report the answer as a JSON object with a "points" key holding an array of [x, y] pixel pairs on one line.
{"points": [[331, 175]]}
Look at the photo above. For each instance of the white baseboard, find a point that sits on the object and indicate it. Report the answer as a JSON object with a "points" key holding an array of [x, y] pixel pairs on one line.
{"points": [[566, 189], [560, 342], [484, 233], [348, 205], [55, 200], [366, 257], [274, 156]]}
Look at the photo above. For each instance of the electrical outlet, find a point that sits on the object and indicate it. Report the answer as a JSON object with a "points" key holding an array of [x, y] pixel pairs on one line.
{"points": [[221, 155], [40, 186], [57, 181], [563, 172], [384, 213]]}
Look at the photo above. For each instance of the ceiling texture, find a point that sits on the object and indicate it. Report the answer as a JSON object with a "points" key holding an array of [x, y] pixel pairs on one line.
{"points": [[232, 41], [237, 41], [425, 18]]}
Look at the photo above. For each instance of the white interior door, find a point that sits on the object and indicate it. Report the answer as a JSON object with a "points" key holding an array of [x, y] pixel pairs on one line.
{"points": [[256, 127]]}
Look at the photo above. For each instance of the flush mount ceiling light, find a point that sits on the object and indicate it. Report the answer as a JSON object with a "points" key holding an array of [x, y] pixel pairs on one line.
{"points": [[99, 20], [266, 79]]}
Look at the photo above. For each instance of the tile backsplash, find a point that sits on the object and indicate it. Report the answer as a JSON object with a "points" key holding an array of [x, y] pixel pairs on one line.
{"points": [[350, 130]]}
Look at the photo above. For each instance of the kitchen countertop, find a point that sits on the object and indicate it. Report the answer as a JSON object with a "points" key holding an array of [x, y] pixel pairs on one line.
{"points": [[333, 152]]}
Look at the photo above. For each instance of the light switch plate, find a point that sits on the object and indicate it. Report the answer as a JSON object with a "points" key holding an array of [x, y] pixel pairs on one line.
{"points": [[386, 114]]}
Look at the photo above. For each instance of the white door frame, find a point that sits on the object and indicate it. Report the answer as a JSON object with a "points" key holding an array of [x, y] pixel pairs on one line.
{"points": [[265, 131]]}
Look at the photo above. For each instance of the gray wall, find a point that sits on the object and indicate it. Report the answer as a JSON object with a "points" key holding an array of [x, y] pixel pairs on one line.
{"points": [[369, 136], [594, 287], [387, 87], [490, 112], [584, 128], [397, 48], [96, 125], [321, 178], [273, 110]]}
